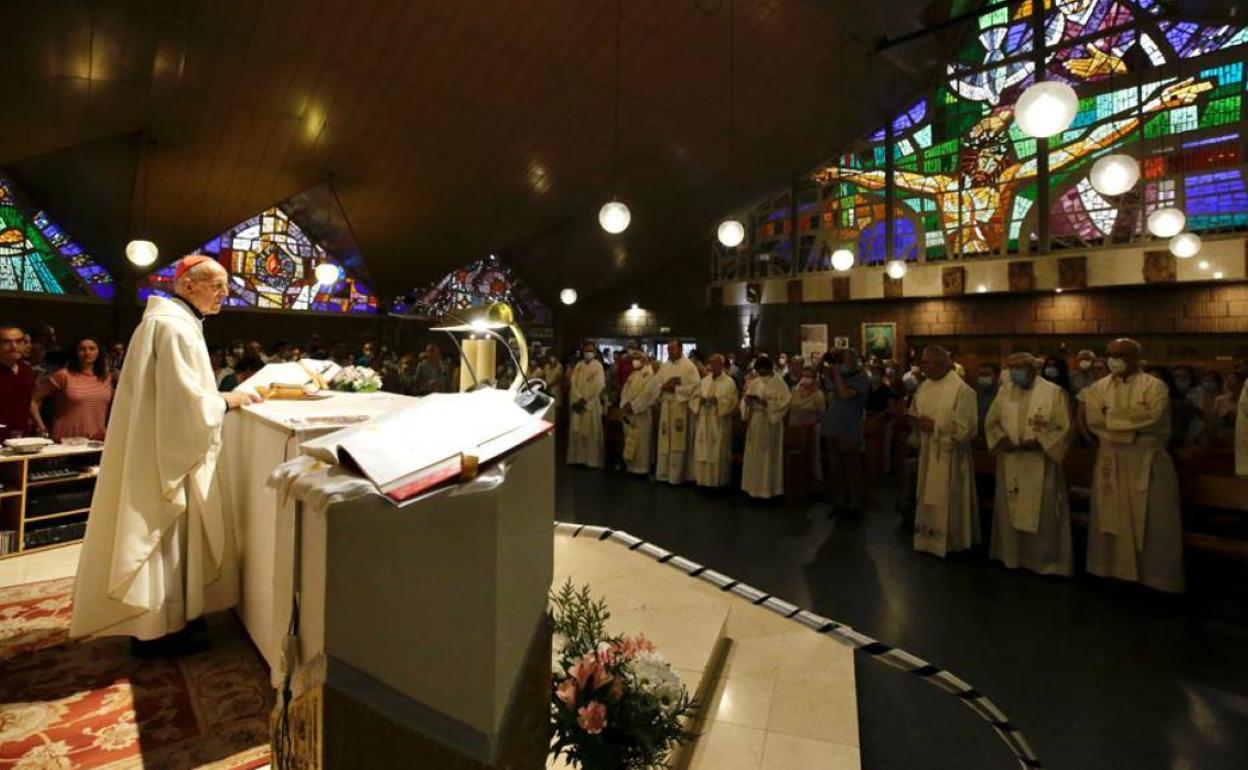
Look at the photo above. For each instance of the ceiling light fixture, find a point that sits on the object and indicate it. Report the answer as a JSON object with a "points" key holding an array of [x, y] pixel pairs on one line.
{"points": [[141, 252], [1114, 174], [1167, 222], [327, 274], [1185, 245], [731, 232], [1046, 108], [614, 216], [896, 269], [568, 296], [842, 260]]}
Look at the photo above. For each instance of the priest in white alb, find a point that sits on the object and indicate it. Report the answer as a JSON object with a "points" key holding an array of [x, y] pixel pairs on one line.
{"points": [[1135, 531], [671, 388], [638, 423], [585, 439], [945, 417], [1028, 426], [160, 550], [712, 406], [764, 408]]}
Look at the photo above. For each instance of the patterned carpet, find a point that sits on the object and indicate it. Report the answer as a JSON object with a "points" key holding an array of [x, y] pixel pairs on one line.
{"points": [[89, 706]]}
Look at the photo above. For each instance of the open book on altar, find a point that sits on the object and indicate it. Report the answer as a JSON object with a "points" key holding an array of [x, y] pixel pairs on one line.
{"points": [[418, 447]]}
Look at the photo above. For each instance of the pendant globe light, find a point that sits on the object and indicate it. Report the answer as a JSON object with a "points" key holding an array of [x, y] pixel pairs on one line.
{"points": [[568, 296], [896, 269], [1046, 108], [1167, 222], [842, 260], [1185, 245], [731, 232], [1114, 174], [614, 216], [327, 273], [141, 252]]}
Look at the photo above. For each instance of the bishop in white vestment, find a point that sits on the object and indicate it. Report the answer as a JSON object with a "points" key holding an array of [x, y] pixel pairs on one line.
{"points": [[638, 423], [585, 439], [764, 408], [1028, 426], [1135, 530], [712, 406], [160, 549], [671, 388], [946, 416]]}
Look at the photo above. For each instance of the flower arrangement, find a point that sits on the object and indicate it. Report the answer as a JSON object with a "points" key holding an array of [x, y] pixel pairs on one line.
{"points": [[356, 379], [615, 703]]}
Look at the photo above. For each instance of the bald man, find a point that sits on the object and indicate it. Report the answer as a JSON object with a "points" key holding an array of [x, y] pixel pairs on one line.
{"points": [[944, 417], [159, 549], [1135, 531], [1028, 427]]}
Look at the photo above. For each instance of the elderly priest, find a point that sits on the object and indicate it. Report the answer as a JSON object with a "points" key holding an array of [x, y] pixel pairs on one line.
{"points": [[764, 408], [671, 387], [1135, 529], [585, 439], [945, 417], [712, 405], [159, 549], [638, 426], [1029, 428]]}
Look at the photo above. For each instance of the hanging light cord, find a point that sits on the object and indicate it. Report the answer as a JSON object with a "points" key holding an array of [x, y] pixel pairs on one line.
{"points": [[615, 142], [732, 93]]}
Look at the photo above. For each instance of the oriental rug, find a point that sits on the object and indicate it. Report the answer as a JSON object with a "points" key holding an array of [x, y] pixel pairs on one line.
{"points": [[73, 705]]}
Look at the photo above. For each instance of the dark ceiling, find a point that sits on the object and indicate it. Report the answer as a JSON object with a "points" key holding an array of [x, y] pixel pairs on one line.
{"points": [[453, 127]]}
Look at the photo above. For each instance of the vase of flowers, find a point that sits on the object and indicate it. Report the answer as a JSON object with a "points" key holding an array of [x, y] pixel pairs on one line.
{"points": [[356, 379], [615, 702]]}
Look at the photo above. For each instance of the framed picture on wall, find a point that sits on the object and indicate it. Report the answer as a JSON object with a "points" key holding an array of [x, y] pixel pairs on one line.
{"points": [[814, 341], [879, 338], [842, 343]]}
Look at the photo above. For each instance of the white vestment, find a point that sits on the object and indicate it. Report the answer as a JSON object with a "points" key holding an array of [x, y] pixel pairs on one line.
{"points": [[585, 426], [712, 406], [1241, 434], [159, 548], [1031, 508], [762, 468], [638, 425], [675, 431], [946, 518], [1135, 531]]}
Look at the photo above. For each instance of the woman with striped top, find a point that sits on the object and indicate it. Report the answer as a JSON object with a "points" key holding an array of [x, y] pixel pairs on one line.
{"points": [[81, 394]]}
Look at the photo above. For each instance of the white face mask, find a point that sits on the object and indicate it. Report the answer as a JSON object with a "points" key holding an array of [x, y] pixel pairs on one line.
{"points": [[1085, 364], [589, 355], [1117, 365]]}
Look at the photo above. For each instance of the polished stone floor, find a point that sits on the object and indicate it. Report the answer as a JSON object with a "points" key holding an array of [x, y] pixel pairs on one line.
{"points": [[1096, 674]]}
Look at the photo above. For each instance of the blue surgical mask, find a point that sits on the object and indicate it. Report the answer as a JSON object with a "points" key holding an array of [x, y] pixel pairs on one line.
{"points": [[1019, 377], [1050, 373], [985, 382]]}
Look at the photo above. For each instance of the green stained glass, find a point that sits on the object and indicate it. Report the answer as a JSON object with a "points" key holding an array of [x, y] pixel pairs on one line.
{"points": [[1221, 111]]}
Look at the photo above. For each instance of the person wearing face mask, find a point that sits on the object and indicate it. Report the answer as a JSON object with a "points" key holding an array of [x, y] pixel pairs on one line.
{"points": [[1223, 420], [1056, 372], [712, 406], [671, 388], [1135, 530], [944, 418], [1081, 376], [552, 374], [585, 437], [841, 430], [638, 423], [763, 409], [808, 402], [987, 382], [1028, 427]]}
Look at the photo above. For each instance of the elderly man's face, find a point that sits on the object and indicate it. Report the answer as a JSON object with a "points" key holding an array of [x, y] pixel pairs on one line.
{"points": [[934, 365], [207, 291], [1127, 352]]}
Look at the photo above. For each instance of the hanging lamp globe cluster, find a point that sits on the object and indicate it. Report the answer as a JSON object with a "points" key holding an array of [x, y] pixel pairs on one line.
{"points": [[731, 233], [142, 253], [842, 260]]}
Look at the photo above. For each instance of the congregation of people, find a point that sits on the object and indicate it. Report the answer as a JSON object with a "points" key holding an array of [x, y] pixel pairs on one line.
{"points": [[679, 418]]}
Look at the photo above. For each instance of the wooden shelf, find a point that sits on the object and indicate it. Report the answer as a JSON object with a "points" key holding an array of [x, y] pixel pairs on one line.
{"points": [[62, 480], [58, 515]]}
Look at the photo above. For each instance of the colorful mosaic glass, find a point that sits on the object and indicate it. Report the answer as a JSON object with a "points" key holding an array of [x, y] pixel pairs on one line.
{"points": [[38, 257], [272, 264], [481, 282]]}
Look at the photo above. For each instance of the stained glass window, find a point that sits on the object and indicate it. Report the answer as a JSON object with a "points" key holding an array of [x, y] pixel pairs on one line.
{"points": [[478, 283], [272, 264], [964, 180], [38, 257]]}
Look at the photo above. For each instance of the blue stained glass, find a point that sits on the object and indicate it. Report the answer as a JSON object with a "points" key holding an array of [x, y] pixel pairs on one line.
{"points": [[1210, 140], [871, 243], [1221, 192]]}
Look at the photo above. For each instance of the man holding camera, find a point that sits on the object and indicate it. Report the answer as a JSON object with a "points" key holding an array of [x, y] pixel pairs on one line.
{"points": [[847, 387]]}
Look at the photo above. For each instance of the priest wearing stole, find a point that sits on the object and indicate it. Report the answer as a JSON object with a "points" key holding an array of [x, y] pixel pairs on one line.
{"points": [[764, 408], [160, 550], [1135, 530], [638, 424], [585, 439], [945, 417], [1028, 427], [712, 405], [671, 387]]}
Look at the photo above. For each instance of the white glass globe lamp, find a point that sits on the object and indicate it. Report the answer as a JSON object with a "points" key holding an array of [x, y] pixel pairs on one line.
{"points": [[1114, 174], [1046, 109], [730, 233], [1185, 245], [142, 253], [614, 217]]}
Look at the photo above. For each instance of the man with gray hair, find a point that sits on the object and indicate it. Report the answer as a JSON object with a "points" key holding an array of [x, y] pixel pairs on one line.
{"points": [[1135, 530], [944, 419], [1028, 427], [160, 550]]}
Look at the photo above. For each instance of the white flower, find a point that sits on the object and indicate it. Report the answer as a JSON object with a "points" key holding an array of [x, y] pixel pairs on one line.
{"points": [[47, 756]]}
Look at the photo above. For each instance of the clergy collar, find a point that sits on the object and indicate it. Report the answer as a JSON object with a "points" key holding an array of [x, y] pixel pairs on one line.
{"points": [[194, 310]]}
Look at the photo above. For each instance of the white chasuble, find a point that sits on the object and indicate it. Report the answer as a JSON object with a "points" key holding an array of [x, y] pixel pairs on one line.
{"points": [[585, 439], [712, 406], [159, 547], [1135, 530], [762, 469], [1031, 508], [637, 425], [947, 516], [1241, 434], [675, 430]]}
